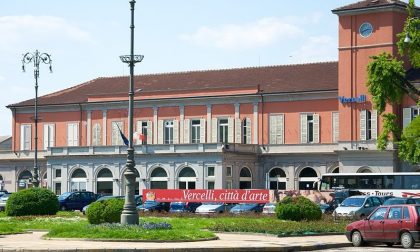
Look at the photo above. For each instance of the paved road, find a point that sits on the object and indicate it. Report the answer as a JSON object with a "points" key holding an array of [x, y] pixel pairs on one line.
{"points": [[227, 242], [375, 248]]}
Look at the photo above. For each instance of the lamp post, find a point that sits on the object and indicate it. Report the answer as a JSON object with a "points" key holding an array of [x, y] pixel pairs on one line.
{"points": [[36, 58], [129, 214]]}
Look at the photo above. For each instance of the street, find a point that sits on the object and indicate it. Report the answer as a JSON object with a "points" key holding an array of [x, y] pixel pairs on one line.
{"points": [[376, 248]]}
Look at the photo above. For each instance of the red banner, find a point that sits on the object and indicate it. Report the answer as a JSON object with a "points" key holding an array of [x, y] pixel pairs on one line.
{"points": [[217, 195]]}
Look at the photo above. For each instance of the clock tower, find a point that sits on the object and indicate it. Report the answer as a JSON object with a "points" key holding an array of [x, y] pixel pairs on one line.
{"points": [[366, 28]]}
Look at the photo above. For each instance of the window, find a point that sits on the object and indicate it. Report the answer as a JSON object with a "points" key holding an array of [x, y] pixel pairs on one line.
{"points": [[335, 126], [368, 125], [395, 213], [229, 171], [116, 135], [276, 129], [159, 179], [210, 171], [187, 178], [96, 135], [73, 134], [168, 132], [48, 135], [210, 185], [25, 137], [245, 179], [57, 188], [379, 214], [223, 131], [195, 131], [144, 132], [409, 114], [229, 184], [309, 128], [376, 201], [277, 179], [246, 131], [406, 213], [57, 173]]}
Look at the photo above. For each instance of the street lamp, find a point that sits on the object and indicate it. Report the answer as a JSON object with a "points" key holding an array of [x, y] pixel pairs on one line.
{"points": [[129, 214], [36, 58]]}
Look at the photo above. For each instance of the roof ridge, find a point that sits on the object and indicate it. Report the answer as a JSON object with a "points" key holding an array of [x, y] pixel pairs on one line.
{"points": [[217, 70]]}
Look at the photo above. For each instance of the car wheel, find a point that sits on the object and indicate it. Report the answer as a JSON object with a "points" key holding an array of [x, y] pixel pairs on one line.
{"points": [[389, 244], [407, 240], [357, 239]]}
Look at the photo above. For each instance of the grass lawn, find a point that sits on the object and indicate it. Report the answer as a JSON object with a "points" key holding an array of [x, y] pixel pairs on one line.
{"points": [[189, 227]]}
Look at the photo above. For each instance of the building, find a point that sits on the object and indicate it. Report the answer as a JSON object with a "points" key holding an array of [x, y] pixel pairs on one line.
{"points": [[275, 127]]}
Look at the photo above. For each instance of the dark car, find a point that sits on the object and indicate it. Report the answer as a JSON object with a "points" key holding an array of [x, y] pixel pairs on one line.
{"points": [[388, 224], [137, 198], [75, 200], [247, 208], [399, 201], [183, 207], [153, 206]]}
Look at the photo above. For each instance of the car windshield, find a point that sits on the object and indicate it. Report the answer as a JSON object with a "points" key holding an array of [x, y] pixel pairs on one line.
{"points": [[353, 202], [64, 195]]}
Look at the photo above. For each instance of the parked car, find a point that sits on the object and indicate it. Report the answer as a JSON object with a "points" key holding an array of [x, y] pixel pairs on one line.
{"points": [[153, 206], [247, 208], [399, 201], [389, 224], [358, 206], [75, 200], [269, 208], [3, 192], [182, 207], [213, 207], [417, 200], [3, 200]]}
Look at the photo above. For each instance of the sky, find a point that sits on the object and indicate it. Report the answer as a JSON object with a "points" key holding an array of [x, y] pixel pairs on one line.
{"points": [[86, 38]]}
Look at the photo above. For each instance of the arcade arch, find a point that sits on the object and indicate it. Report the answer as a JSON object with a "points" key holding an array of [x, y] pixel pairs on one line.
{"points": [[245, 178]]}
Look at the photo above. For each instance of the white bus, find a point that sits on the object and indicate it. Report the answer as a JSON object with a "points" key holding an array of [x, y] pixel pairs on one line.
{"points": [[398, 184]]}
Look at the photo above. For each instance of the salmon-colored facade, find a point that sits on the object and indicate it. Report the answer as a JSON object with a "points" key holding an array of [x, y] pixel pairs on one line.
{"points": [[277, 127]]}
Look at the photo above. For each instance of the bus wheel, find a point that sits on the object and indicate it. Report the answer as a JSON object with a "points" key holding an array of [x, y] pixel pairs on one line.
{"points": [[357, 239], [407, 240]]}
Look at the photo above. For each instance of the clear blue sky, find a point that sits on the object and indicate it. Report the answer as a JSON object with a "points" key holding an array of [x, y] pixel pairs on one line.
{"points": [[85, 38]]}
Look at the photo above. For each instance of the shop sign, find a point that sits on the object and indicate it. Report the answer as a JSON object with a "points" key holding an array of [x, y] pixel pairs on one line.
{"points": [[359, 99], [199, 195]]}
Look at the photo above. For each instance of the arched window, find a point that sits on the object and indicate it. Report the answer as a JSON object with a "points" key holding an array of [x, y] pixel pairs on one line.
{"points": [[187, 178], [245, 179], [336, 170], [277, 179], [364, 169], [307, 178], [78, 180], [159, 179], [104, 184], [24, 179]]}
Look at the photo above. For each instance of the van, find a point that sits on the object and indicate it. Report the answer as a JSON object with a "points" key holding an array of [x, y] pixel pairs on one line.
{"points": [[75, 200], [358, 206]]}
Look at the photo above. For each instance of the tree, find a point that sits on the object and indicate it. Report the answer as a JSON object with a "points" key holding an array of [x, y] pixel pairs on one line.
{"points": [[387, 85]]}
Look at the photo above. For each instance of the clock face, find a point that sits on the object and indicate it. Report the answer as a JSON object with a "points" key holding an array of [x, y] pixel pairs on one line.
{"points": [[365, 30]]}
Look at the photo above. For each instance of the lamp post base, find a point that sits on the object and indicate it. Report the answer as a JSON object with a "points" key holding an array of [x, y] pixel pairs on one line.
{"points": [[129, 219]]}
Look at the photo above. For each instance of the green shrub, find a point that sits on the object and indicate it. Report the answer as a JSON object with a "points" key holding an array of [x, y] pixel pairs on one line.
{"points": [[297, 209], [33, 201], [106, 211]]}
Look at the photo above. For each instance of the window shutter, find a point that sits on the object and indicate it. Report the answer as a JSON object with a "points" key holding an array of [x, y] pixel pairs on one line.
{"points": [[363, 125], [176, 132], [230, 130], [202, 130], [96, 134], [374, 120], [214, 130], [51, 131], [303, 128], [279, 132], [273, 128], [70, 134], [138, 132], [316, 128], [149, 132], [238, 130], [406, 117], [187, 127], [46, 135], [25, 137], [248, 130], [335, 126], [160, 132]]}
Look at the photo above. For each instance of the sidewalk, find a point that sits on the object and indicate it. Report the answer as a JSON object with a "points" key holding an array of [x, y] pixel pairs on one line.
{"points": [[226, 242]]}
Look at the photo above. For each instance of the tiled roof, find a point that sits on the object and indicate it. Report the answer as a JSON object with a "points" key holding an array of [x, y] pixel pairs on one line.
{"points": [[368, 4], [271, 79], [413, 75]]}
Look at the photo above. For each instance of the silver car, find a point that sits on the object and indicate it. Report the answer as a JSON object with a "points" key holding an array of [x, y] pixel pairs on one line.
{"points": [[3, 201], [357, 206]]}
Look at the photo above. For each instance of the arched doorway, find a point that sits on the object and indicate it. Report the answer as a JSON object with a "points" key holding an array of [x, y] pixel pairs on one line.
{"points": [[24, 180], [187, 178], [78, 180], [137, 182], [307, 178], [336, 170], [277, 178], [104, 184], [364, 169], [159, 179], [245, 179]]}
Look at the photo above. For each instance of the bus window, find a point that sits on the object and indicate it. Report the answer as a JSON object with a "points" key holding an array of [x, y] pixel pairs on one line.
{"points": [[392, 182], [372, 182], [411, 182]]}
